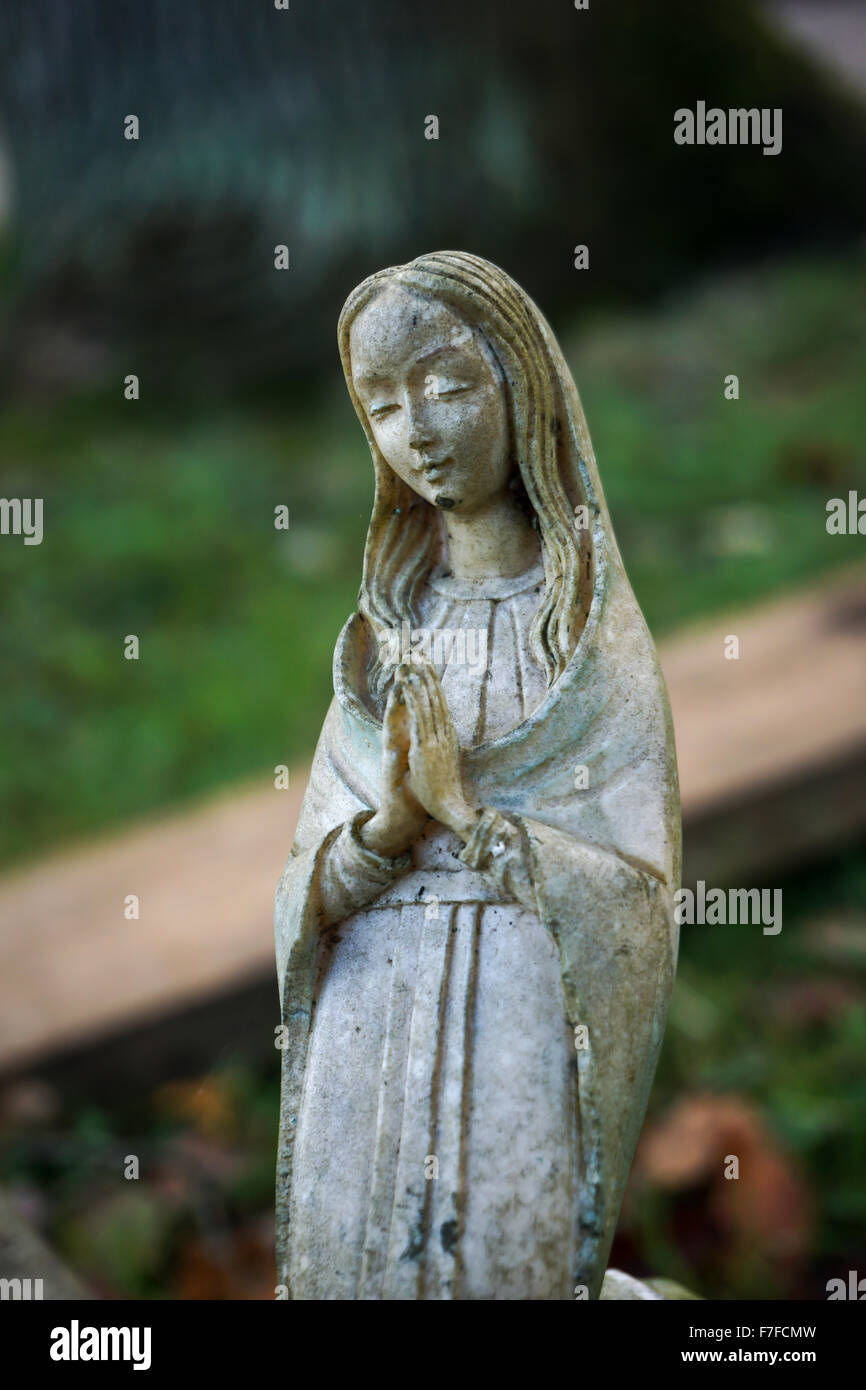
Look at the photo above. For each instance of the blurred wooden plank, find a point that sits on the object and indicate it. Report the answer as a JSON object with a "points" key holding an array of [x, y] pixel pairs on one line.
{"points": [[72, 967], [756, 840], [772, 746], [794, 700], [771, 750]]}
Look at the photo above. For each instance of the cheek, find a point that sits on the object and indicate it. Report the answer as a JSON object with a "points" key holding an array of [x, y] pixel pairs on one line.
{"points": [[485, 429], [389, 438]]}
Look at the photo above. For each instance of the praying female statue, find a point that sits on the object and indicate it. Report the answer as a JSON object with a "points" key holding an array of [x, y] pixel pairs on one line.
{"points": [[475, 928]]}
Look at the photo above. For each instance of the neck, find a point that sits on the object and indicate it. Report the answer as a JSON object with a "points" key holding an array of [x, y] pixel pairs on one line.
{"points": [[498, 540]]}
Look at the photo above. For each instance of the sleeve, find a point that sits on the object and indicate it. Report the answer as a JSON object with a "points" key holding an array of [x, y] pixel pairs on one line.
{"points": [[351, 875]]}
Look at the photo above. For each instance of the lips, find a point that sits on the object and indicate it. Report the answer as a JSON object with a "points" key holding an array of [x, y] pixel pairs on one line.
{"points": [[434, 468]]}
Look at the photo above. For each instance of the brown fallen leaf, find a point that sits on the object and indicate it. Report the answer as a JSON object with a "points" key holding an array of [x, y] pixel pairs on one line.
{"points": [[241, 1267], [703, 1141], [207, 1104]]}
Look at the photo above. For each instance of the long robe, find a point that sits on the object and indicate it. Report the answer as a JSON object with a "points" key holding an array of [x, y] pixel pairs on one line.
{"points": [[468, 1054]]}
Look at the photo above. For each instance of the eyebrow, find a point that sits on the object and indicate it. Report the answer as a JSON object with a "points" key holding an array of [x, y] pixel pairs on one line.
{"points": [[369, 380], [437, 352]]}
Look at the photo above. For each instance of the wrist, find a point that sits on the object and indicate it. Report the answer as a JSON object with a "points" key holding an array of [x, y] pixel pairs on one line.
{"points": [[492, 836], [464, 822], [382, 838]]}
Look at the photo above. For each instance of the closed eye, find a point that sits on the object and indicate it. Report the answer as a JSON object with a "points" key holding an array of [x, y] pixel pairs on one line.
{"points": [[453, 390], [436, 389], [378, 411]]}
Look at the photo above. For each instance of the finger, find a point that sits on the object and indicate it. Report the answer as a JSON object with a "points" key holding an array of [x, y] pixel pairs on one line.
{"points": [[417, 718], [446, 723], [434, 684], [390, 704], [438, 703], [425, 705], [415, 697], [395, 744], [440, 712], [391, 718]]}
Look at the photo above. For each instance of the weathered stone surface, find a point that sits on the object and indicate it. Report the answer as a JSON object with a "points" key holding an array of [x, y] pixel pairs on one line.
{"points": [[475, 936], [619, 1287]]}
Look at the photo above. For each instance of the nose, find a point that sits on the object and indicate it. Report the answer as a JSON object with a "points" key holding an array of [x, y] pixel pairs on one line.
{"points": [[420, 433], [419, 440]]}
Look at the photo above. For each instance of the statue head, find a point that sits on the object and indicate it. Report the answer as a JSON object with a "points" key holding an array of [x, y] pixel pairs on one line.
{"points": [[462, 392], [434, 398]]}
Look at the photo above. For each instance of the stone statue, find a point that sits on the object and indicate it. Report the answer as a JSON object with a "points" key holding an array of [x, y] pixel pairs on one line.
{"points": [[475, 929]]}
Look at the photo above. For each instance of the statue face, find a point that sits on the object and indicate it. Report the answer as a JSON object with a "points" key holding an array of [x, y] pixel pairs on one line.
{"points": [[434, 398]]}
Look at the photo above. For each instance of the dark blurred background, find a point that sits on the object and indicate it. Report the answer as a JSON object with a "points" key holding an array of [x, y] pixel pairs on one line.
{"points": [[155, 257]]}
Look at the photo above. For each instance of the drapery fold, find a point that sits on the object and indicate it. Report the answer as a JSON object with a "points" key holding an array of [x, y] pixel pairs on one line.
{"points": [[591, 779]]}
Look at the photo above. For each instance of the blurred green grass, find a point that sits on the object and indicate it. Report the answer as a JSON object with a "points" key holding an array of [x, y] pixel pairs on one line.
{"points": [[159, 522]]}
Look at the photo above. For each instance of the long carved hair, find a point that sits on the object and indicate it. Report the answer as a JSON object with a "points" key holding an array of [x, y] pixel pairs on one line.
{"points": [[546, 441]]}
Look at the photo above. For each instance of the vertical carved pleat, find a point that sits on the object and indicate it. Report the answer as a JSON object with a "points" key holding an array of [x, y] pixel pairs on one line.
{"points": [[410, 1214], [391, 1105], [422, 1125], [452, 1135]]}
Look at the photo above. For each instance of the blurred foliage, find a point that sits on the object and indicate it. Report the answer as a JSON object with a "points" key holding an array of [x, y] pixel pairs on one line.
{"points": [[260, 127], [717, 502], [773, 1027], [195, 1221], [306, 128], [766, 1034], [160, 523]]}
